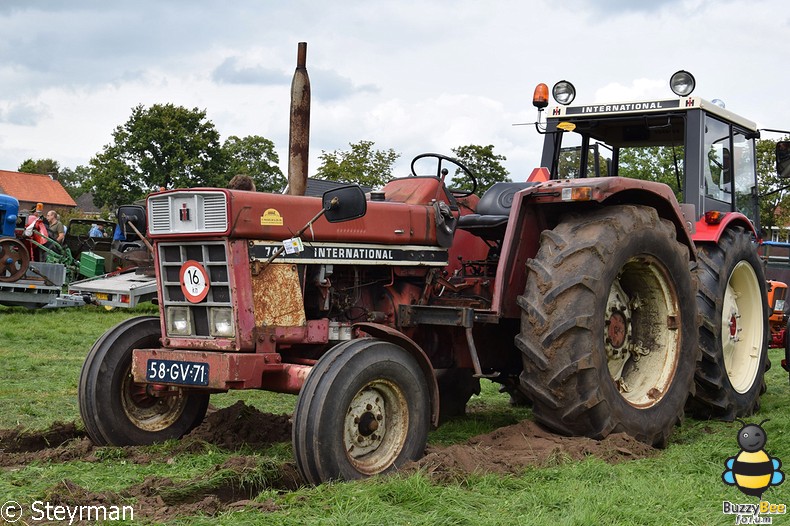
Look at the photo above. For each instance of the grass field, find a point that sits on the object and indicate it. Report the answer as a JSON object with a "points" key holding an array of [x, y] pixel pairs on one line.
{"points": [[41, 353]]}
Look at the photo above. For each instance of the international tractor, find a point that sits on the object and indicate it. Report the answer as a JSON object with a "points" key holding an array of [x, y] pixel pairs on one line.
{"points": [[614, 288]]}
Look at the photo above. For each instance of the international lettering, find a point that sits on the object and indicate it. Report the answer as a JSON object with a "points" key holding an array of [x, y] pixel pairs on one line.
{"points": [[378, 254], [632, 106]]}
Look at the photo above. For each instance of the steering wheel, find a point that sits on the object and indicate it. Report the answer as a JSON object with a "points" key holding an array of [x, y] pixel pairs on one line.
{"points": [[442, 172], [85, 242]]}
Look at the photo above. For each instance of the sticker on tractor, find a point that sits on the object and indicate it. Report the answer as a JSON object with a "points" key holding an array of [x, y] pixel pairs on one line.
{"points": [[194, 281], [271, 217], [293, 245]]}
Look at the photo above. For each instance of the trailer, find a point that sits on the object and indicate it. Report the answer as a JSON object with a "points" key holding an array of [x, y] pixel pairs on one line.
{"points": [[40, 286], [124, 288]]}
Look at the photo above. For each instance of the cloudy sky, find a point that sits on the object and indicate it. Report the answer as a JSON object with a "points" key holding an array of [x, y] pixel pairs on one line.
{"points": [[414, 76]]}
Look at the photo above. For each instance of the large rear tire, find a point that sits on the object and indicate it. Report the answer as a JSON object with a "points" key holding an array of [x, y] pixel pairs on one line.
{"points": [[363, 410], [732, 301], [608, 327], [119, 412]]}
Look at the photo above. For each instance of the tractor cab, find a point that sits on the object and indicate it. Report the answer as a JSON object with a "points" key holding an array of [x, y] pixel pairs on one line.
{"points": [[705, 153]]}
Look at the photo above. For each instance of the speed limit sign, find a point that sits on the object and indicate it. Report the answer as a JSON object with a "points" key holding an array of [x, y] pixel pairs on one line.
{"points": [[194, 281]]}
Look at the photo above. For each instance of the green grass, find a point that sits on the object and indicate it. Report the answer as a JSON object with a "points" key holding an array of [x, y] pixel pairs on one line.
{"points": [[41, 353]]}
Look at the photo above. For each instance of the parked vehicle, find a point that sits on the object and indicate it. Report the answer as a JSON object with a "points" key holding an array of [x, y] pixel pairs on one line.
{"points": [[580, 288]]}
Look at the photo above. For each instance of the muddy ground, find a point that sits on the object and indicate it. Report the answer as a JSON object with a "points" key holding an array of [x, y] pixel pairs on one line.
{"points": [[244, 475]]}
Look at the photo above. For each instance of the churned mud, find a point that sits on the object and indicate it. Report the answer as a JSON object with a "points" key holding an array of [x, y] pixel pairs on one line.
{"points": [[235, 483], [511, 449]]}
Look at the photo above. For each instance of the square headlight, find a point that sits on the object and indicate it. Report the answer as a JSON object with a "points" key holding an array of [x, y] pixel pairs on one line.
{"points": [[221, 322], [179, 321]]}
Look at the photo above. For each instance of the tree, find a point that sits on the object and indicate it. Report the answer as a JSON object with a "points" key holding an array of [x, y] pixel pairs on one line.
{"points": [[254, 156], [165, 146], [663, 164], [484, 164], [775, 200], [362, 164], [75, 181], [40, 166]]}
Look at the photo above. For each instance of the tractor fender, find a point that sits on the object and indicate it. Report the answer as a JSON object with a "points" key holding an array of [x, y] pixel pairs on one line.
{"points": [[576, 193], [711, 233], [391, 335]]}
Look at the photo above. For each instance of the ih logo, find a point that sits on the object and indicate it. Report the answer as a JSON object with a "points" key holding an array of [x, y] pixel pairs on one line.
{"points": [[752, 470]]}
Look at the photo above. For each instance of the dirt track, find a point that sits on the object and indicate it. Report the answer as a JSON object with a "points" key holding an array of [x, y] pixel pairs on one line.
{"points": [[232, 484]]}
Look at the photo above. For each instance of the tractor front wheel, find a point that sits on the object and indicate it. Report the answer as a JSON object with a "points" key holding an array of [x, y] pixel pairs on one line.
{"points": [[363, 410], [608, 328], [732, 301], [119, 412]]}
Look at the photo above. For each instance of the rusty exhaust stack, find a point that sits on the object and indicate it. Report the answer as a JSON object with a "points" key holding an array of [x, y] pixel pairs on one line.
{"points": [[299, 133]]}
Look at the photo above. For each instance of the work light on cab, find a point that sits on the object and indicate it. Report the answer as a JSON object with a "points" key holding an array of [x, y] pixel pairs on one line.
{"points": [[682, 83], [563, 92]]}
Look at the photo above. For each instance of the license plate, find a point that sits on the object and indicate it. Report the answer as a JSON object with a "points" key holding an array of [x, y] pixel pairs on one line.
{"points": [[102, 296], [177, 372]]}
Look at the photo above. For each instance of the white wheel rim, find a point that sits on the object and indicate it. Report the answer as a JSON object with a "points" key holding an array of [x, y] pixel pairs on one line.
{"points": [[375, 426], [147, 412], [642, 332], [742, 327]]}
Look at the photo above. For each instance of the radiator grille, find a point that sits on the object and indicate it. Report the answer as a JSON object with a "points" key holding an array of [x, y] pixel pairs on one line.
{"points": [[213, 257], [188, 212]]}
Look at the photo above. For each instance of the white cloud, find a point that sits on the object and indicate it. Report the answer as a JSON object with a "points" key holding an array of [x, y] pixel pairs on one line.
{"points": [[412, 76]]}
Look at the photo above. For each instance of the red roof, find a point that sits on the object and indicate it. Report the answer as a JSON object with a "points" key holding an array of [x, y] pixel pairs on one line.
{"points": [[35, 188]]}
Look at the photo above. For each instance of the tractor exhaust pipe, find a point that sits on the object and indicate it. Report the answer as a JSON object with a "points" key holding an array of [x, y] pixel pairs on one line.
{"points": [[299, 132]]}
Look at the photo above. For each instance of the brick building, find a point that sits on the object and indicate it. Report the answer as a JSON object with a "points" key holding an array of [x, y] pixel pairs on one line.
{"points": [[30, 189]]}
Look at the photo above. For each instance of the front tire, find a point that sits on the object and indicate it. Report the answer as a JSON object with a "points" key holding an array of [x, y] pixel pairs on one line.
{"points": [[732, 301], [363, 410], [608, 327], [119, 412]]}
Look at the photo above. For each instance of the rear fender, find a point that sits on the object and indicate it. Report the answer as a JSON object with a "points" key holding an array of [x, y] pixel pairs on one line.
{"points": [[539, 207], [711, 233]]}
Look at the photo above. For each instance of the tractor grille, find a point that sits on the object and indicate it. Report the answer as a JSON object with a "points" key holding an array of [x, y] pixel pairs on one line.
{"points": [[213, 257], [188, 212]]}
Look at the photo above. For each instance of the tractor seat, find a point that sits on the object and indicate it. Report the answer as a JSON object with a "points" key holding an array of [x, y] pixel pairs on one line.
{"points": [[493, 211]]}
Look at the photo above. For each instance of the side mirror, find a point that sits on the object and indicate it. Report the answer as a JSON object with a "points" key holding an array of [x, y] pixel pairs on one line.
{"points": [[783, 159], [344, 204]]}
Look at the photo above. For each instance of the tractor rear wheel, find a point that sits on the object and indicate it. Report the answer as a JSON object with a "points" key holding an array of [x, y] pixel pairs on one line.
{"points": [[732, 301], [608, 327], [119, 412], [363, 410]]}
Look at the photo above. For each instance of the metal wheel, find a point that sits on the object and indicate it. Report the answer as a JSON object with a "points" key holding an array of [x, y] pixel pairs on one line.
{"points": [[116, 411], [733, 336], [609, 326], [14, 260], [376, 426], [363, 410], [147, 412], [742, 334], [641, 337]]}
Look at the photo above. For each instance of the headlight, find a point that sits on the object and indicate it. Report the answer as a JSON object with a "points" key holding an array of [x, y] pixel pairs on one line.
{"points": [[779, 305], [682, 83], [221, 322], [563, 92], [179, 321]]}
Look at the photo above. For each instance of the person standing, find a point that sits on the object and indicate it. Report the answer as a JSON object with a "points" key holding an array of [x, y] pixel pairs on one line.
{"points": [[57, 232]]}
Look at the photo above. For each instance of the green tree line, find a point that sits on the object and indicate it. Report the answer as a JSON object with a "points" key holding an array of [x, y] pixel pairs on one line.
{"points": [[166, 146]]}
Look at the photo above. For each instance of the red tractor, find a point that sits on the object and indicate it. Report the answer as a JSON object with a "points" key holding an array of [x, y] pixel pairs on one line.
{"points": [[599, 297]]}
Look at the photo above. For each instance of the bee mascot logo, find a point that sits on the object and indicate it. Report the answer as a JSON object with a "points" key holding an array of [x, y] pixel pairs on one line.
{"points": [[752, 470]]}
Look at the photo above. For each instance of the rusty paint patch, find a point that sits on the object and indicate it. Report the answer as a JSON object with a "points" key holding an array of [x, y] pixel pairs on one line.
{"points": [[277, 297]]}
